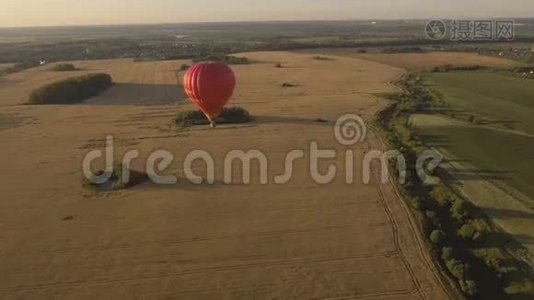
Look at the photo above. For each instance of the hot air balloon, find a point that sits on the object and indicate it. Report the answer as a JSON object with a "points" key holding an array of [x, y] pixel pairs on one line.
{"points": [[209, 85]]}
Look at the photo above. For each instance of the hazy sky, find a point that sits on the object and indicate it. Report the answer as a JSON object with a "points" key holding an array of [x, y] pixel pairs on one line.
{"points": [[78, 12]]}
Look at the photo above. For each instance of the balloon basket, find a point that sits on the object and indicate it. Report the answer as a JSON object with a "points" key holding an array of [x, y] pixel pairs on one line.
{"points": [[213, 124]]}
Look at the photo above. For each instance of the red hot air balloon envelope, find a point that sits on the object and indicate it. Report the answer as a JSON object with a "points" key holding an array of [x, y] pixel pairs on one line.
{"points": [[209, 85]]}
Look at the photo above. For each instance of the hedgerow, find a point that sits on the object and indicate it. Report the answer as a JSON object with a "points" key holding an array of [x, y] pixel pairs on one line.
{"points": [[71, 90]]}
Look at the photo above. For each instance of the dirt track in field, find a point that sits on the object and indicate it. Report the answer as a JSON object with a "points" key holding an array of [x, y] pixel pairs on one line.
{"points": [[296, 240]]}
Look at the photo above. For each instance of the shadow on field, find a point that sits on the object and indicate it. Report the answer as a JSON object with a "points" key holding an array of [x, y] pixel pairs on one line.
{"points": [[456, 160], [8, 121], [498, 122], [508, 213], [139, 94], [480, 174], [497, 239], [184, 184], [435, 140], [452, 176], [446, 110]]}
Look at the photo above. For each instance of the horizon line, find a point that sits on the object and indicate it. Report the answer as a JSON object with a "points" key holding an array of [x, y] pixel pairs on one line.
{"points": [[254, 21]]}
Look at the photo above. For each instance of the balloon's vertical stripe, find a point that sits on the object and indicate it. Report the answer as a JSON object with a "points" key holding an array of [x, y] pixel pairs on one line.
{"points": [[192, 83], [199, 83]]}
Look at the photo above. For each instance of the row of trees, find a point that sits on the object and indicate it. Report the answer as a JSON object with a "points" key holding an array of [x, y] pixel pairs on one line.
{"points": [[448, 68], [220, 57], [71, 90]]}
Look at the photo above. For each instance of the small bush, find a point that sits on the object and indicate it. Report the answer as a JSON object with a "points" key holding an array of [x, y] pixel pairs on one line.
{"points": [[433, 217], [472, 119], [447, 253], [64, 68], [188, 118], [457, 268], [229, 115], [469, 287], [417, 203], [481, 225], [318, 57], [467, 232], [278, 65], [235, 115], [459, 210], [288, 85], [71, 90], [482, 229], [492, 257], [441, 194], [437, 236], [115, 180]]}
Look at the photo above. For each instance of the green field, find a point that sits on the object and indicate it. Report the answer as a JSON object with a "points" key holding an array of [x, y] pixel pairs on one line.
{"points": [[497, 155], [500, 143], [504, 99], [487, 165]]}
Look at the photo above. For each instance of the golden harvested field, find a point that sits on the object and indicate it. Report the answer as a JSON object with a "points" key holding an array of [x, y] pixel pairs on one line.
{"points": [[427, 61], [139, 82], [236, 241]]}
